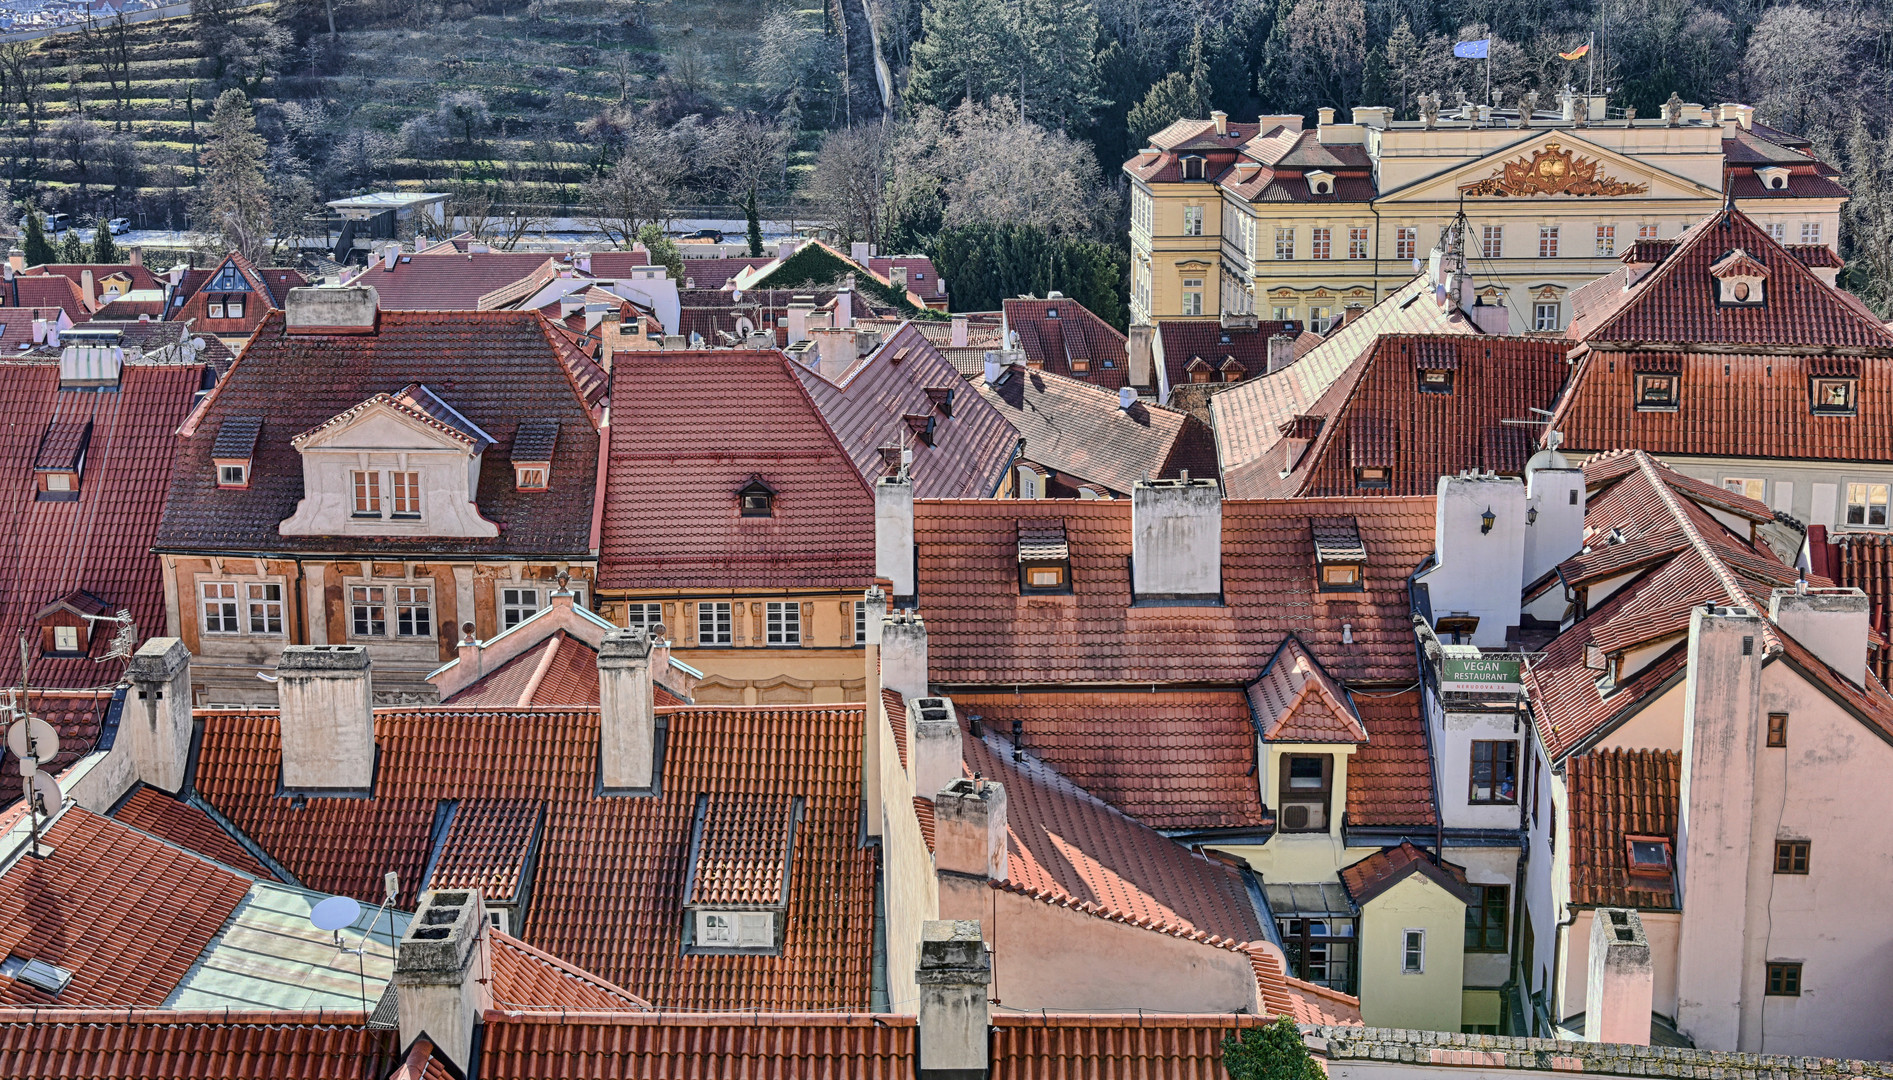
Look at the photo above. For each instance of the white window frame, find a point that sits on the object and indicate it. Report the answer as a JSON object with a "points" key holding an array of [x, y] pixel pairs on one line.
{"points": [[860, 622], [1546, 316], [1321, 243], [367, 610], [230, 608], [213, 309], [1192, 296], [711, 613], [1357, 241], [644, 614], [1192, 221], [234, 476], [517, 604], [1866, 500], [1811, 232], [1606, 241], [1548, 241], [1778, 232], [1492, 242], [409, 599], [65, 639], [1284, 244], [404, 490], [1412, 951], [1406, 242], [260, 607], [365, 493], [782, 622]]}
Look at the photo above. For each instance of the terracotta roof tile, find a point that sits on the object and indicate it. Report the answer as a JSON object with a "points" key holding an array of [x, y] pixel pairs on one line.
{"points": [[1182, 340], [1385, 868], [486, 847], [125, 913], [1178, 759], [634, 1046], [689, 430], [102, 542], [1377, 415], [741, 851], [44, 291], [608, 891], [1078, 430], [710, 273], [1615, 794], [1068, 847], [495, 368], [1033, 1047], [444, 282], [558, 672], [982, 632], [971, 447], [529, 978], [1053, 342], [896, 708], [168, 1044], [1864, 561], [1295, 701], [263, 291], [141, 277], [1390, 779], [187, 826], [78, 715]]}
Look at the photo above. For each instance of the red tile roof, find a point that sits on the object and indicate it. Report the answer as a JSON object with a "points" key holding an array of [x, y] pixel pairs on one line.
{"points": [[1674, 301], [1249, 416], [922, 279], [1377, 411], [618, 264], [1068, 847], [971, 446], [1180, 341], [896, 708], [1031, 1046], [1390, 778], [1864, 561], [1294, 701], [141, 278], [741, 843], [1078, 430], [1614, 794], [268, 291], [635, 1046], [1388, 867], [982, 632], [708, 273], [172, 819], [78, 716], [691, 429], [102, 542], [125, 913], [44, 291], [1273, 161], [486, 847], [450, 282], [525, 977], [1181, 759], [170, 1044], [1746, 404], [1075, 333], [608, 891], [496, 368], [559, 671]]}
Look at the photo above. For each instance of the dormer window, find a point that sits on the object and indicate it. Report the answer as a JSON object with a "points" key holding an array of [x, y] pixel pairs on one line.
{"points": [[224, 307], [1656, 393], [1773, 177], [757, 499], [233, 450], [1373, 476], [1647, 856], [1200, 370], [1231, 369], [61, 459], [1339, 554], [1044, 557], [921, 424], [1320, 182], [942, 399], [1834, 397], [533, 444], [233, 475], [529, 477], [1051, 313], [1434, 381], [1192, 167], [65, 625], [741, 863], [1080, 365], [1739, 279]]}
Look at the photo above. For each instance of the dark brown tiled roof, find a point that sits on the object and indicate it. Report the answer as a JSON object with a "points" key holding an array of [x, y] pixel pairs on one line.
{"points": [[1078, 430], [101, 543], [171, 1044], [982, 631], [1674, 302], [608, 893], [1171, 759], [170, 818], [128, 938], [1068, 847], [1377, 415], [1053, 343], [1615, 794], [1387, 867], [971, 447], [496, 368], [1390, 778], [78, 716], [443, 282], [691, 429]]}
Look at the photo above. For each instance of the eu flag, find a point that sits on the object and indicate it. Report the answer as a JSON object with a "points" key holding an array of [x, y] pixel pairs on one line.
{"points": [[1473, 50]]}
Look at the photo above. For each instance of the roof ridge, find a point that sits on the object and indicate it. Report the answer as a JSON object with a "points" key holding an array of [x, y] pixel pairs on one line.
{"points": [[1704, 549], [568, 969], [1172, 928]]}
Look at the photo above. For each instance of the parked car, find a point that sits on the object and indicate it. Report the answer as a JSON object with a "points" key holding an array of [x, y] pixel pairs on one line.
{"points": [[119, 226], [715, 236], [58, 223]]}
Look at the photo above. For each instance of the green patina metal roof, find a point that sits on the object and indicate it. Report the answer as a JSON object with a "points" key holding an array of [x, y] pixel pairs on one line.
{"points": [[270, 956]]}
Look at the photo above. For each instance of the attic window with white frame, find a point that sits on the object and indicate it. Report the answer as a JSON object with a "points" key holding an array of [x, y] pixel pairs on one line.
{"points": [[1656, 392], [1833, 397], [757, 499], [533, 444]]}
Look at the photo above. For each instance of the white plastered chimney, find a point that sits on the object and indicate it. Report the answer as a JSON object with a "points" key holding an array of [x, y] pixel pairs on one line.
{"points": [[327, 717], [627, 717], [1176, 539], [1622, 983]]}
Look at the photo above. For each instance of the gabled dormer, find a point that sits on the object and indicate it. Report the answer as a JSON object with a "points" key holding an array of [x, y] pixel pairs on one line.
{"points": [[1739, 279], [233, 454], [59, 466], [533, 445], [400, 464], [65, 625], [227, 295]]}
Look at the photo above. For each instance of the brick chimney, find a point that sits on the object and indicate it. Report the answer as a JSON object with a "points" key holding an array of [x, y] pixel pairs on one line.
{"points": [[1140, 352], [1832, 623], [970, 829], [156, 724], [348, 309], [627, 720], [1621, 988], [441, 975], [904, 655], [954, 970], [894, 538], [328, 718], [16, 261], [1176, 539], [1718, 984], [933, 727]]}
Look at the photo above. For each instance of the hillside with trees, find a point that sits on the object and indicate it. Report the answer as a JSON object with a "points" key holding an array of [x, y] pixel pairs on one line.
{"points": [[995, 147]]}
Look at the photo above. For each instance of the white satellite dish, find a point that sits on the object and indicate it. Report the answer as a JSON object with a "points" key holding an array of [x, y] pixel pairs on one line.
{"points": [[33, 737], [45, 793], [335, 913], [737, 296]]}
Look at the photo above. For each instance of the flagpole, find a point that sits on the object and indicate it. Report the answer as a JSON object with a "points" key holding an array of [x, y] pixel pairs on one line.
{"points": [[1591, 54]]}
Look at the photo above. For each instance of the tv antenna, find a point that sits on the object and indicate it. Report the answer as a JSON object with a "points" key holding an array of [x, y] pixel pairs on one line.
{"points": [[33, 740], [124, 639], [1553, 437], [339, 912]]}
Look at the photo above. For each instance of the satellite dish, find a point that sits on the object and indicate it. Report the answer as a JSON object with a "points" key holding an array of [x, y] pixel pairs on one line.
{"points": [[197, 344], [335, 913], [44, 793], [737, 296], [33, 737]]}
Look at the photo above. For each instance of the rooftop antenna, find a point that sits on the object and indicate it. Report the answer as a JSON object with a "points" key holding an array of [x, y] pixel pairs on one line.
{"points": [[124, 639], [338, 912], [33, 740]]}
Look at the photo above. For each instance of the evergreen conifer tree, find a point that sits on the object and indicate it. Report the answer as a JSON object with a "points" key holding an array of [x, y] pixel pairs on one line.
{"points": [[755, 225], [38, 250], [104, 250]]}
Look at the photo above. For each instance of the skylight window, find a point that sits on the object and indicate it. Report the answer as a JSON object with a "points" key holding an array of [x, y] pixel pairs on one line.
{"points": [[38, 974], [1648, 855]]}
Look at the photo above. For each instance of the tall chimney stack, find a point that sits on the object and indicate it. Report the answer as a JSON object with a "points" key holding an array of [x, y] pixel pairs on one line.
{"points": [[627, 718], [1176, 539], [904, 654], [441, 980], [156, 727], [970, 829], [954, 970], [1832, 623], [894, 538], [934, 733], [328, 718], [1140, 358], [1621, 987]]}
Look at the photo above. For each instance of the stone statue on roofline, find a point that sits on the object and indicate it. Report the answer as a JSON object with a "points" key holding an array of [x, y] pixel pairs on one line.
{"points": [[1429, 110], [1673, 110]]}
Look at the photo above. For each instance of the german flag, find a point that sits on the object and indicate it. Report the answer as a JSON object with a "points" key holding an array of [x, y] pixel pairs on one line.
{"points": [[1577, 53]]}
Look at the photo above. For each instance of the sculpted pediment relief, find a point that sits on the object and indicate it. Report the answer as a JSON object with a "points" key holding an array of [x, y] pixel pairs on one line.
{"points": [[1551, 170]]}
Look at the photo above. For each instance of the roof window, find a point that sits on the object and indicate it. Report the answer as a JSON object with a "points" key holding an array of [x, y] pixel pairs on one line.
{"points": [[1192, 167], [1647, 855], [1434, 381], [1339, 554], [921, 424], [1656, 393], [942, 398], [757, 499], [38, 974], [61, 459], [234, 450], [1739, 279], [1044, 557], [1833, 397], [533, 444]]}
